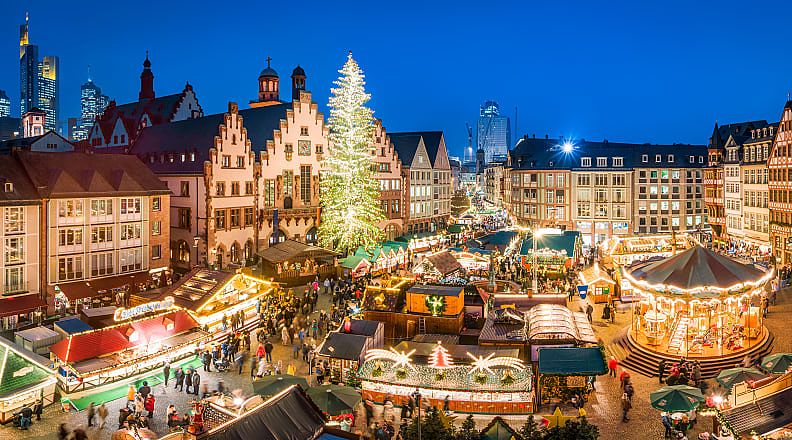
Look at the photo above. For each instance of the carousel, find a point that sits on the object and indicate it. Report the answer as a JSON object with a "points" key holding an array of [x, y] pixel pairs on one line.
{"points": [[698, 304]]}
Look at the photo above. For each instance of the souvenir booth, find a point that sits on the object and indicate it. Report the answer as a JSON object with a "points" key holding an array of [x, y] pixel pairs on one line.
{"points": [[143, 339], [482, 384], [554, 252], [601, 287], [565, 372], [25, 378], [438, 266], [294, 263], [698, 304], [209, 295], [356, 266]]}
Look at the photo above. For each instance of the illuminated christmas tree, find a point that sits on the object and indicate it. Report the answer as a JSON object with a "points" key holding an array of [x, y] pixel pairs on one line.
{"points": [[350, 191], [440, 358]]}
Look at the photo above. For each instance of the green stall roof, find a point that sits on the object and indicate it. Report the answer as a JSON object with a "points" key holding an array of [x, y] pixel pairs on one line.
{"points": [[571, 361]]}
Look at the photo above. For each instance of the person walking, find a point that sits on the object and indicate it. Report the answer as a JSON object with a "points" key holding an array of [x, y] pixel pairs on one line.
{"points": [[148, 404], [254, 360], [144, 389], [661, 370], [131, 394], [166, 372], [613, 364], [239, 360], [103, 413], [90, 412], [188, 380], [196, 380], [626, 405], [268, 350], [38, 408], [178, 374], [589, 311]]}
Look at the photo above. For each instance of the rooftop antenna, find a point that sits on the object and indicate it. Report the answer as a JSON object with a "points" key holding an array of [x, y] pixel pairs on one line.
{"points": [[27, 17], [89, 73]]}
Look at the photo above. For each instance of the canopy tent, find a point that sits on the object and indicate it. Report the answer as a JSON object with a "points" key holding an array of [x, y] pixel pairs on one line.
{"points": [[677, 398], [289, 415], [291, 250], [335, 399], [695, 268], [272, 385], [566, 243], [732, 376], [571, 361]]}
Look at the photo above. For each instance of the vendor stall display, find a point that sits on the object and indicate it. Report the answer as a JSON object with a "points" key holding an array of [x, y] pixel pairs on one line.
{"points": [[210, 295], [627, 250], [601, 287], [437, 266], [293, 262], [144, 338], [698, 304], [385, 258], [554, 252], [356, 266], [25, 378], [345, 348], [565, 372], [483, 384]]}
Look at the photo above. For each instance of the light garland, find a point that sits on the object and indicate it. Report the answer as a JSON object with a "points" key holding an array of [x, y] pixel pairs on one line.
{"points": [[482, 364], [399, 359], [667, 287]]}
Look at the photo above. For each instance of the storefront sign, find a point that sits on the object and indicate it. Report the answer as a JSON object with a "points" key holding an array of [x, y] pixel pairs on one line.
{"points": [[122, 314], [582, 290]]}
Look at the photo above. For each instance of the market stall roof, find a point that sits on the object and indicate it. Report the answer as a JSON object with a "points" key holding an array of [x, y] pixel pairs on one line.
{"points": [[343, 346], [503, 325], [696, 268], [364, 327], [761, 415], [86, 289], [36, 334], [354, 261], [557, 322], [571, 361], [195, 288], [289, 415], [96, 343], [291, 250], [497, 240], [455, 229], [426, 289], [443, 262], [16, 305], [594, 274], [498, 429], [72, 324], [565, 242], [20, 368]]}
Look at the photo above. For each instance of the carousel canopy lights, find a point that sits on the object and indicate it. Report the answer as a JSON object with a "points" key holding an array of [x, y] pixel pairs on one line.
{"points": [[399, 359], [697, 270]]}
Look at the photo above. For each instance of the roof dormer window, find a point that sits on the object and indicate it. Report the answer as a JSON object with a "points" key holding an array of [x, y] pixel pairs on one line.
{"points": [[8, 187], [602, 161], [658, 158], [644, 158], [618, 161], [585, 162], [670, 158]]}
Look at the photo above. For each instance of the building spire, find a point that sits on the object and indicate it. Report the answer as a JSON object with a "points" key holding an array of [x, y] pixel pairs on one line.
{"points": [[89, 73], [27, 17], [269, 59]]}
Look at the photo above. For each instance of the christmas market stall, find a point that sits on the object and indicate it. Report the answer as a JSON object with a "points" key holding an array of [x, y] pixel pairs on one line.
{"points": [[564, 372], [25, 378], [499, 241], [143, 338], [355, 266], [388, 257], [294, 263], [505, 328], [698, 303], [554, 252], [624, 251], [553, 325], [437, 266], [600, 287], [211, 295], [483, 384], [344, 349]]}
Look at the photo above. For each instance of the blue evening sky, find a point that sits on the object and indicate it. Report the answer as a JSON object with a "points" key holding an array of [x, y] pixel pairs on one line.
{"points": [[635, 71]]}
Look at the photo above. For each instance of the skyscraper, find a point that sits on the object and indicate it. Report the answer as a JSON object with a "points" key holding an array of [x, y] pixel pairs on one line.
{"points": [[28, 70], [493, 131], [49, 90], [5, 105], [92, 104]]}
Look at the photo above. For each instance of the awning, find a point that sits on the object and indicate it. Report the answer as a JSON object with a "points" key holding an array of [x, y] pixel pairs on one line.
{"points": [[87, 289], [571, 361], [455, 229], [17, 305]]}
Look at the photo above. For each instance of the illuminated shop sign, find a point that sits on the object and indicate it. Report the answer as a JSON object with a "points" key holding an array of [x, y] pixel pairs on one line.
{"points": [[122, 314]]}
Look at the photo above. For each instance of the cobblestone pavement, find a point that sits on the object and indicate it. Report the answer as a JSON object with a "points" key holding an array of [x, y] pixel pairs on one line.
{"points": [[603, 408]]}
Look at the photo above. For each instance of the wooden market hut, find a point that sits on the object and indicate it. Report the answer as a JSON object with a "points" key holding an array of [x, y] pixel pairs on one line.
{"points": [[498, 429], [356, 266], [601, 286], [346, 347], [562, 371], [438, 265], [279, 261], [25, 377], [419, 299], [554, 252]]}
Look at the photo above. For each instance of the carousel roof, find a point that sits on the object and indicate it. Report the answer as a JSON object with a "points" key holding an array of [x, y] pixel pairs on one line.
{"points": [[695, 268]]}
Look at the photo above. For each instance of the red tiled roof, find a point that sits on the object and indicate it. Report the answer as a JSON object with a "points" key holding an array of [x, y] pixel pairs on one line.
{"points": [[110, 340], [86, 289], [15, 305]]}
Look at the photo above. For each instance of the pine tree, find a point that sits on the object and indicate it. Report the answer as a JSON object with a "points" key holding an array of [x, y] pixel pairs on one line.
{"points": [[468, 430], [460, 203], [432, 427], [350, 209], [440, 357], [531, 430]]}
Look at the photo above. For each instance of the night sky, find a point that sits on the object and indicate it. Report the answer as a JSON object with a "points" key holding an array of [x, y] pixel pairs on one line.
{"points": [[624, 71]]}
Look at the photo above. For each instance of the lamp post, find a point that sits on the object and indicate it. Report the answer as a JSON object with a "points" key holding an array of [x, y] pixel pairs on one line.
{"points": [[417, 396]]}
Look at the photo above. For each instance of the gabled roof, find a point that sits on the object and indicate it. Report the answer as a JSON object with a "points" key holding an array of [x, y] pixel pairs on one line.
{"points": [[24, 192], [198, 136], [406, 145], [343, 346], [443, 262], [720, 133], [432, 141], [66, 174], [363, 327], [498, 429], [20, 368], [160, 110], [27, 142]]}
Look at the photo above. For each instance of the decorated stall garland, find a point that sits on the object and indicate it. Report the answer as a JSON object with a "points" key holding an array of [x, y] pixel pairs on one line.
{"points": [[436, 304]]}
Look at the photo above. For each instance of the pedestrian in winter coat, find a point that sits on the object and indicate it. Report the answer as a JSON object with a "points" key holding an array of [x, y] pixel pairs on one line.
{"points": [[196, 380], [145, 389], [253, 366], [103, 413], [626, 406], [268, 350], [90, 412], [179, 376], [613, 364], [239, 360], [131, 394], [166, 372], [148, 404], [285, 337], [140, 405], [661, 370]]}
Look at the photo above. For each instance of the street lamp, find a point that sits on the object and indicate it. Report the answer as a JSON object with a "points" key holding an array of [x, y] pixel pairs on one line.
{"points": [[417, 397]]}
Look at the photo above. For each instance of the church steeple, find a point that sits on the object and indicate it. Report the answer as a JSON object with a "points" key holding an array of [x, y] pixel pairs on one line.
{"points": [[146, 81], [268, 82]]}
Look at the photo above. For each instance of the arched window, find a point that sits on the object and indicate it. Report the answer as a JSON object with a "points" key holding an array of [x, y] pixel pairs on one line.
{"points": [[235, 252], [219, 254], [282, 236], [310, 236], [248, 253]]}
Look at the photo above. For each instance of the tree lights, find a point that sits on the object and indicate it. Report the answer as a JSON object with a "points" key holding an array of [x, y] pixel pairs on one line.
{"points": [[350, 192]]}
